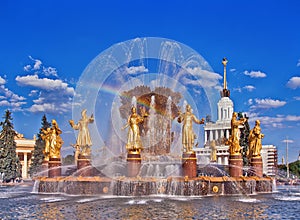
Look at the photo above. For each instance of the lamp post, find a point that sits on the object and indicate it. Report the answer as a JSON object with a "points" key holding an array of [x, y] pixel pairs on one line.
{"points": [[287, 160]]}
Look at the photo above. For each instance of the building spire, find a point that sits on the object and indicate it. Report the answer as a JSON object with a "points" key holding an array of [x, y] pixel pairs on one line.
{"points": [[225, 92]]}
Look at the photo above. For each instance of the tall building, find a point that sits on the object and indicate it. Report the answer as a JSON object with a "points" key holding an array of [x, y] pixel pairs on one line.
{"points": [[216, 133]]}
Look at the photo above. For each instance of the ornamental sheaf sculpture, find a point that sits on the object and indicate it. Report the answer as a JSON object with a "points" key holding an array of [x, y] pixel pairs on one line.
{"points": [[188, 135], [234, 139], [133, 136], [83, 142], [255, 144]]}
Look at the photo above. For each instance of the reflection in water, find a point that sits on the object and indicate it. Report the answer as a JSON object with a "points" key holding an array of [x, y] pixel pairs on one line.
{"points": [[18, 203]]}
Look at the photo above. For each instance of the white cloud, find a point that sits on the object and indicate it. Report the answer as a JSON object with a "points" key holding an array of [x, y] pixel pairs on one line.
{"points": [[4, 103], [249, 88], [292, 118], [45, 107], [267, 103], [205, 79], [37, 63], [277, 121], [50, 71], [297, 98], [294, 82], [298, 64], [10, 95], [232, 70], [250, 102], [33, 92], [44, 83], [10, 99], [50, 107], [2, 81], [38, 68], [27, 68], [136, 69], [255, 74]]}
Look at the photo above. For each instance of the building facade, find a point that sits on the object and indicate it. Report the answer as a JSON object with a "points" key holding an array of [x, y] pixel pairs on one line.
{"points": [[24, 151]]}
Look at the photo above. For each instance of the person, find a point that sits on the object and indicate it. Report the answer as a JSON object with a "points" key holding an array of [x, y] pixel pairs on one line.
{"points": [[133, 136], [234, 140], [55, 140], [255, 137], [188, 135], [83, 141]]}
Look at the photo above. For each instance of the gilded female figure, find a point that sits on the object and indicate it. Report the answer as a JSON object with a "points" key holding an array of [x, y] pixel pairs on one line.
{"points": [[83, 141], [188, 135], [255, 144], [234, 140], [133, 137]]}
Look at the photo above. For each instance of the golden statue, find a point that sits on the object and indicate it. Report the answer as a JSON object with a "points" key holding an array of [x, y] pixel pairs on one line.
{"points": [[83, 141], [53, 141], [213, 154], [255, 137], [133, 137], [188, 135], [234, 139], [46, 136]]}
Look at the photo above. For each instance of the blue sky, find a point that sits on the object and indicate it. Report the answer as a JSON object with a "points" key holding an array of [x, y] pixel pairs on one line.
{"points": [[46, 45]]}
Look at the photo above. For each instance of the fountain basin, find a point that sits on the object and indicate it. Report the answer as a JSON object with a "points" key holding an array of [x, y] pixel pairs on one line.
{"points": [[144, 186]]}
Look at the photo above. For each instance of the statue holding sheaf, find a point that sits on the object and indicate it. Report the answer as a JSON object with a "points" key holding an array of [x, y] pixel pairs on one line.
{"points": [[234, 139], [83, 142], [188, 135], [255, 144], [133, 137]]}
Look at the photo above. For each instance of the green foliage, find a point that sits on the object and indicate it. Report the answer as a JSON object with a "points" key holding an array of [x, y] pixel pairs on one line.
{"points": [[10, 165], [38, 155], [294, 168], [244, 143], [68, 160]]}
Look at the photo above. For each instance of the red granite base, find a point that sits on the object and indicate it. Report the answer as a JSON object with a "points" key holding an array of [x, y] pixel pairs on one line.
{"points": [[256, 166], [133, 163], [84, 165], [54, 166], [236, 165], [189, 165]]}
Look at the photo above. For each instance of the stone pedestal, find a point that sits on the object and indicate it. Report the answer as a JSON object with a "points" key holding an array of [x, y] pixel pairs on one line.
{"points": [[133, 163], [54, 166], [189, 164], [236, 165], [44, 168], [84, 165], [256, 166]]}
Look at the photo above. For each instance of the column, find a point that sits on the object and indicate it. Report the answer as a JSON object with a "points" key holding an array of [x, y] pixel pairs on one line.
{"points": [[205, 136], [219, 160], [227, 133], [25, 174], [225, 160], [217, 134], [210, 135]]}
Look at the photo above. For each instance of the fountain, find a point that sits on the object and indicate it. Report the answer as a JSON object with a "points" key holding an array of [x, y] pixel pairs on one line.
{"points": [[148, 157]]}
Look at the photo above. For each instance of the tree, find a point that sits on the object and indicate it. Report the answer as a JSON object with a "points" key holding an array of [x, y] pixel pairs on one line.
{"points": [[244, 143], [68, 160], [38, 155], [10, 166]]}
